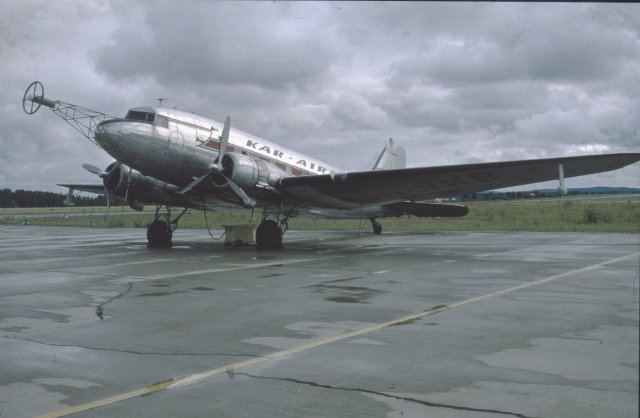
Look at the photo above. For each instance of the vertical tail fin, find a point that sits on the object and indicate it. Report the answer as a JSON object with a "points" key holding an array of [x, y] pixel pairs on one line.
{"points": [[392, 157]]}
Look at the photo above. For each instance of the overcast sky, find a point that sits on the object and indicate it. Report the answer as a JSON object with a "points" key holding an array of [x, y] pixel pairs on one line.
{"points": [[453, 83]]}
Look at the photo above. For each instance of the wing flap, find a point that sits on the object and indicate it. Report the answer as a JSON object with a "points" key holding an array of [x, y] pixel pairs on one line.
{"points": [[413, 184]]}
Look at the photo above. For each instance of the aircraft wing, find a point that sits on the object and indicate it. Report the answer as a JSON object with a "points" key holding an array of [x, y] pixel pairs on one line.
{"points": [[350, 190], [91, 188]]}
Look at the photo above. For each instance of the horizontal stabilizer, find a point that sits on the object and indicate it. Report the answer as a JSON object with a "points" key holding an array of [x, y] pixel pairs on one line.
{"points": [[390, 210], [89, 188], [428, 210]]}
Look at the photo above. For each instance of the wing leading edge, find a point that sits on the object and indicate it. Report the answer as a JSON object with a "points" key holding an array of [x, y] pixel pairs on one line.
{"points": [[349, 190]]}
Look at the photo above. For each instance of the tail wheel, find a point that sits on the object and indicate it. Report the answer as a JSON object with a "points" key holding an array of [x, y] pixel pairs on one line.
{"points": [[268, 236]]}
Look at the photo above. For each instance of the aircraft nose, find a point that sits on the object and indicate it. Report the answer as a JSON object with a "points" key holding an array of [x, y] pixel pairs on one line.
{"points": [[108, 134]]}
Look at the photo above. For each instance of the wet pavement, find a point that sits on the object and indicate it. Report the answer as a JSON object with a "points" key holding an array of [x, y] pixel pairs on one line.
{"points": [[92, 323]]}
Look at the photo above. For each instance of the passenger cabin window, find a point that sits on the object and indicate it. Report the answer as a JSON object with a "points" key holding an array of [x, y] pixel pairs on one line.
{"points": [[143, 116]]}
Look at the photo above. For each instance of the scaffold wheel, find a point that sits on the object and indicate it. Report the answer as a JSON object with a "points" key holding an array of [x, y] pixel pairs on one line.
{"points": [[34, 90]]}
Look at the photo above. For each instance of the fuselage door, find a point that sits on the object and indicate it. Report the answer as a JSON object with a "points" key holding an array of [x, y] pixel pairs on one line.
{"points": [[175, 145]]}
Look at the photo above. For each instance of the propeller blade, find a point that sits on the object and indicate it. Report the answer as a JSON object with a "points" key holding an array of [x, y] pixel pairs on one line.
{"points": [[92, 169], [102, 174], [224, 139], [247, 202], [126, 193], [193, 184]]}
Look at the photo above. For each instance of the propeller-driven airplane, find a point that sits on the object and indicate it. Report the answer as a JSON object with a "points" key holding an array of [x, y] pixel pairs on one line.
{"points": [[174, 159]]}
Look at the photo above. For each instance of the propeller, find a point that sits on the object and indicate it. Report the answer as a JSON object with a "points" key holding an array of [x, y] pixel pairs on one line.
{"points": [[216, 168], [103, 175], [92, 169], [126, 193], [224, 141]]}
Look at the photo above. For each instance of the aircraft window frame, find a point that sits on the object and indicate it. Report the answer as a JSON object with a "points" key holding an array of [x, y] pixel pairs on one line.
{"points": [[140, 116], [161, 121]]}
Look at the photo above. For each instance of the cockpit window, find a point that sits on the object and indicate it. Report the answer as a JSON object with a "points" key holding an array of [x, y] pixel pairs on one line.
{"points": [[143, 116], [162, 121]]}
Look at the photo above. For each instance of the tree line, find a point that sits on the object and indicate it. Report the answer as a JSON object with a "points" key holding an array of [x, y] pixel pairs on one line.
{"points": [[36, 199]]}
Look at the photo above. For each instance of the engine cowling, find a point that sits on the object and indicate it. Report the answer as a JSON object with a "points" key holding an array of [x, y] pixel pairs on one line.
{"points": [[137, 188], [250, 173]]}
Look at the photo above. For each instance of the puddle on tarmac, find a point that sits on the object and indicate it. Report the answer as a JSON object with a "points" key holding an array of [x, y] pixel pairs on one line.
{"points": [[346, 294], [159, 294]]}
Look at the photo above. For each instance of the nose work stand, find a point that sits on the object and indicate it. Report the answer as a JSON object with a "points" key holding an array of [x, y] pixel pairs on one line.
{"points": [[80, 118]]}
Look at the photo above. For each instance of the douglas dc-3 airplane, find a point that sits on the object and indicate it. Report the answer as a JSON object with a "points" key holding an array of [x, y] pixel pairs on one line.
{"points": [[176, 159]]}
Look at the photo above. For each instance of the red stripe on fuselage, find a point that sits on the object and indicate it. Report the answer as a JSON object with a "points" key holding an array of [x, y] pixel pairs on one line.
{"points": [[215, 145]]}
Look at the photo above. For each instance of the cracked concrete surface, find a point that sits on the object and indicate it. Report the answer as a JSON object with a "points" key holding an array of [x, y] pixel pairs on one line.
{"points": [[386, 395], [89, 314]]}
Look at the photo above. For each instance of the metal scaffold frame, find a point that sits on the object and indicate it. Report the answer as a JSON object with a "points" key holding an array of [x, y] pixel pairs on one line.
{"points": [[80, 118]]}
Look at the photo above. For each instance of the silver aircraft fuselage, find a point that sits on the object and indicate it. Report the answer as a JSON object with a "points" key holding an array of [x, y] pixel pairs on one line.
{"points": [[176, 147]]}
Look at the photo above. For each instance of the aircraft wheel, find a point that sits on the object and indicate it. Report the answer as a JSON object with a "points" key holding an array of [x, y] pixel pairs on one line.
{"points": [[377, 228], [268, 236], [159, 235]]}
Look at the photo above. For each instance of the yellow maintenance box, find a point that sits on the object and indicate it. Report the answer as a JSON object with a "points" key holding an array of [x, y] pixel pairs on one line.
{"points": [[238, 235]]}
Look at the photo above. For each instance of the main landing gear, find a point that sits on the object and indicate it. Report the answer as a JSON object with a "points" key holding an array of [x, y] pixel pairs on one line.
{"points": [[269, 236], [269, 233], [160, 231], [377, 228]]}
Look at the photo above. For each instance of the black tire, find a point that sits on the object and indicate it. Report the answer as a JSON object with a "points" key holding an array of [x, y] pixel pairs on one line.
{"points": [[377, 228], [268, 236], [159, 235]]}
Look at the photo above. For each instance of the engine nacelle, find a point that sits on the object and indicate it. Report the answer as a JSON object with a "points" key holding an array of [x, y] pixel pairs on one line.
{"points": [[137, 188], [250, 173]]}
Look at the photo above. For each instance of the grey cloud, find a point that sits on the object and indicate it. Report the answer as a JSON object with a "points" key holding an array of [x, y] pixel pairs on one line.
{"points": [[217, 43], [453, 83]]}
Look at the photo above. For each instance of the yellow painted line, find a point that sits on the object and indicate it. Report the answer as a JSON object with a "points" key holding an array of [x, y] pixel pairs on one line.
{"points": [[545, 280], [110, 400], [235, 267], [186, 380]]}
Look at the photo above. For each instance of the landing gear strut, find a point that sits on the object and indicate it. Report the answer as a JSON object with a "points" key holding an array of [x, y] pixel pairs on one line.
{"points": [[377, 228], [160, 232]]}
